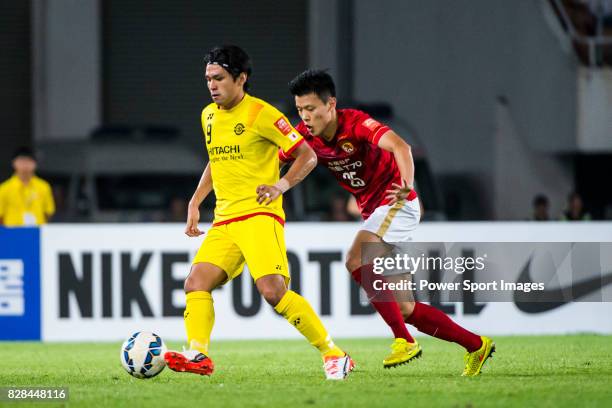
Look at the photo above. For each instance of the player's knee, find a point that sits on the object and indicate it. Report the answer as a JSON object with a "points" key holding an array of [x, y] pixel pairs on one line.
{"points": [[272, 295], [202, 279], [272, 288], [191, 284], [406, 308], [352, 262]]}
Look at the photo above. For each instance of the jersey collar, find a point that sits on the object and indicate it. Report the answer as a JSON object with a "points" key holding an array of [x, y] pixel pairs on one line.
{"points": [[339, 129], [238, 105]]}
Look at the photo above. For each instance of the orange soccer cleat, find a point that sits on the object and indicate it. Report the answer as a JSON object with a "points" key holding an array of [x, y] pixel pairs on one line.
{"points": [[189, 361]]}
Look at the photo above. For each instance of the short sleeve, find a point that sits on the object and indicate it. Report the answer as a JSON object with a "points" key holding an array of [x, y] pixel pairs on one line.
{"points": [[2, 202], [285, 158], [275, 127], [369, 129], [49, 204]]}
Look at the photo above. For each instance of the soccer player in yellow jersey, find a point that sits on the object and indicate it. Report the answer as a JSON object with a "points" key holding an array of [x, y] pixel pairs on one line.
{"points": [[25, 200], [243, 135]]}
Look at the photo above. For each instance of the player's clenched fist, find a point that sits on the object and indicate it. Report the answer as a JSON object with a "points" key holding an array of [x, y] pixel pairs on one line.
{"points": [[266, 194], [193, 217]]}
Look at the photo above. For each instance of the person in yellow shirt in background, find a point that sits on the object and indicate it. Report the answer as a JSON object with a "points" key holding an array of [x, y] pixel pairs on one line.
{"points": [[25, 199]]}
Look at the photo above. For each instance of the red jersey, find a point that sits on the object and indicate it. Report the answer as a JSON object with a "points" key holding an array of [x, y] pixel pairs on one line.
{"points": [[354, 158]]}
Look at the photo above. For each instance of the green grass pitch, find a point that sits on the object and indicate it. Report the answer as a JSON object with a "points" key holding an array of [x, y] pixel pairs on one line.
{"points": [[543, 371]]}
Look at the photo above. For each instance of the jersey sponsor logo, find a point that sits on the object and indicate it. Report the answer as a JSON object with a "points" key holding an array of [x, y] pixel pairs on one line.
{"points": [[283, 126], [293, 136], [223, 150], [371, 124], [239, 129], [347, 147]]}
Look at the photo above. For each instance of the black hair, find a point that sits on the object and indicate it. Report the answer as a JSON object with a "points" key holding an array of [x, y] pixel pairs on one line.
{"points": [[24, 151], [233, 59], [314, 81], [572, 195], [540, 199]]}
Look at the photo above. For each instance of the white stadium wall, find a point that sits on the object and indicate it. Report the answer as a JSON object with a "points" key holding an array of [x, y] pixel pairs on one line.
{"points": [[102, 282]]}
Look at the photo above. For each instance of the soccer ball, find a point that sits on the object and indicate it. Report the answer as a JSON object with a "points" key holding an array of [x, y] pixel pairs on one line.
{"points": [[142, 355]]}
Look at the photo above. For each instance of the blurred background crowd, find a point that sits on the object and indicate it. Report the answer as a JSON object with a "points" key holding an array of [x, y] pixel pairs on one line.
{"points": [[507, 105]]}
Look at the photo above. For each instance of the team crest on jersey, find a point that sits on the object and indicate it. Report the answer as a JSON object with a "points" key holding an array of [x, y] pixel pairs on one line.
{"points": [[239, 129], [283, 126], [348, 147]]}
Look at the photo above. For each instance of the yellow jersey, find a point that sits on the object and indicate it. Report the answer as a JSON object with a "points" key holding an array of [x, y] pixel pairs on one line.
{"points": [[24, 205], [242, 144]]}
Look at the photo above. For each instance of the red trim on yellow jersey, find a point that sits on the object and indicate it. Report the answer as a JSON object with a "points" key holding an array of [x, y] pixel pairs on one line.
{"points": [[283, 157], [244, 217], [295, 146]]}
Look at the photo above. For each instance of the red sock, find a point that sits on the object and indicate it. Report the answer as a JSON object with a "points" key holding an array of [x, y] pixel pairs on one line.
{"points": [[434, 322], [383, 301]]}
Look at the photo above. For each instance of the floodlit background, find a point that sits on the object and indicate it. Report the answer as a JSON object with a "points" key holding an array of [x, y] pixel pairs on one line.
{"points": [[501, 100]]}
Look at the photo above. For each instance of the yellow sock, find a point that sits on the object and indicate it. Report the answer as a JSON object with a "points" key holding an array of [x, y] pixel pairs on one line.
{"points": [[199, 320], [300, 314]]}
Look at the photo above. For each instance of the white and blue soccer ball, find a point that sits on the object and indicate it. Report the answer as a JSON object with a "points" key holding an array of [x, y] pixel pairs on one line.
{"points": [[142, 355]]}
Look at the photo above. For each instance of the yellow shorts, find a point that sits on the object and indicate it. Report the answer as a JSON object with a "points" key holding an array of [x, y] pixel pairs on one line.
{"points": [[259, 241]]}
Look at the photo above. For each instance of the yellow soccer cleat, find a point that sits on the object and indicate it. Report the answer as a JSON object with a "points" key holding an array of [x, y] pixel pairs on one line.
{"points": [[475, 360], [402, 352]]}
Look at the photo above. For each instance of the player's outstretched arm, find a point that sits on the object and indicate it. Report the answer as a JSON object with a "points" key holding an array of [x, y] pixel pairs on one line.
{"points": [[193, 210], [402, 152], [305, 162]]}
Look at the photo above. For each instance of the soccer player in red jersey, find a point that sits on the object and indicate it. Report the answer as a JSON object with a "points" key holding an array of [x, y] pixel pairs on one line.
{"points": [[373, 163]]}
